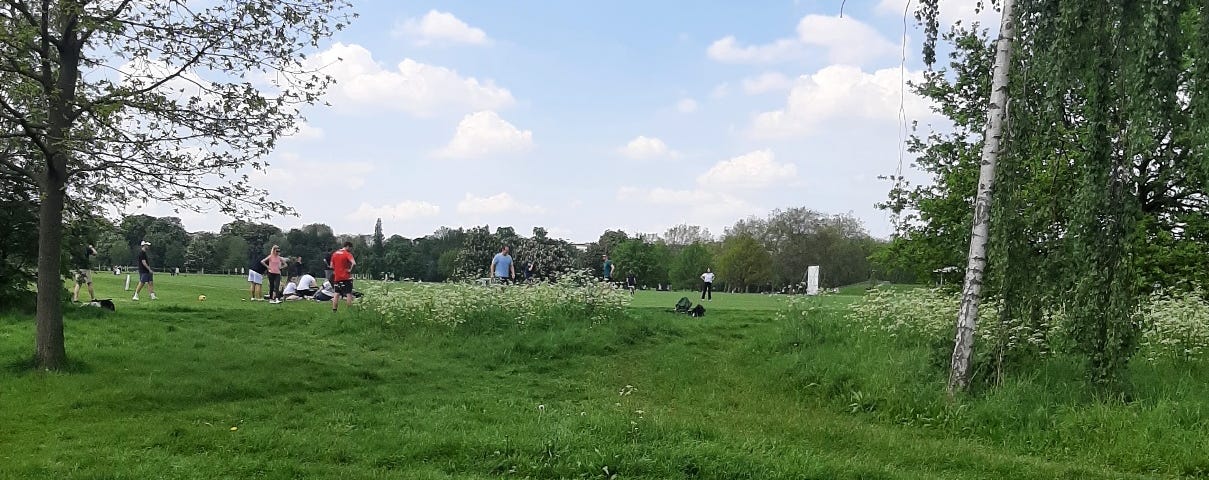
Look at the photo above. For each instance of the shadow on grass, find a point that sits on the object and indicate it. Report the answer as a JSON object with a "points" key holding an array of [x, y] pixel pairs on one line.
{"points": [[29, 366]]}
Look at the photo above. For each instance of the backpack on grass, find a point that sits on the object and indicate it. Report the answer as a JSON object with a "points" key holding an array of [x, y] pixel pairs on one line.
{"points": [[684, 305]]}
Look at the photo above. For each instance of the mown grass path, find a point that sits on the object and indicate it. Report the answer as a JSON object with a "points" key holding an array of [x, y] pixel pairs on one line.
{"points": [[226, 388]]}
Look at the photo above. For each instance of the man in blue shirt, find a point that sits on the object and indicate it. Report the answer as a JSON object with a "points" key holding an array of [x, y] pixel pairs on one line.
{"points": [[607, 271], [501, 266]]}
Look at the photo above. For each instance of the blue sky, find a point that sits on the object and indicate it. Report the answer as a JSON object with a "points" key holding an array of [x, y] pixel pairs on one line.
{"points": [[582, 117]]}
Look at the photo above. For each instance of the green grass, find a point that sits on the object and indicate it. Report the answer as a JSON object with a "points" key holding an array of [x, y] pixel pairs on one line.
{"points": [[226, 388]]}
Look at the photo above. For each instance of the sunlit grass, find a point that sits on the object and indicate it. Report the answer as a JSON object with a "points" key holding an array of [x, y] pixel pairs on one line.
{"points": [[227, 388]]}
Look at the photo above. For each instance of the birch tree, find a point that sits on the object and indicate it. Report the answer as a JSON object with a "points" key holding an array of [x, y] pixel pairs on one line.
{"points": [[997, 112]]}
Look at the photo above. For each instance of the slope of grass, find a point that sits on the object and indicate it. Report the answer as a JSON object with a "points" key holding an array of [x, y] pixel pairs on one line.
{"points": [[226, 388]]}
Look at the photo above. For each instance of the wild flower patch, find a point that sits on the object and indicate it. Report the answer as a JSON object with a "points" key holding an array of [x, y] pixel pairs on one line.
{"points": [[1174, 325], [573, 296]]}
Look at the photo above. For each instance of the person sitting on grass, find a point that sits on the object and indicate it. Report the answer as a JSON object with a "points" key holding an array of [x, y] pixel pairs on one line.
{"points": [[326, 293], [307, 286], [290, 292]]}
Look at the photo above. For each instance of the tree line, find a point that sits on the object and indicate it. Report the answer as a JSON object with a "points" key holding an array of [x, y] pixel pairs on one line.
{"points": [[769, 253]]}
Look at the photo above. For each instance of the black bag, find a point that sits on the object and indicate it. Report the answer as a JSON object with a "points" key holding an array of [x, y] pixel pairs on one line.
{"points": [[684, 305], [697, 311]]}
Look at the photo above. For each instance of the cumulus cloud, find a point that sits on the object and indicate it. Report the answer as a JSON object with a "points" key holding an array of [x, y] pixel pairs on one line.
{"points": [[482, 134], [758, 169], [440, 27], [402, 211], [838, 39], [495, 204], [728, 50], [841, 92], [766, 82], [644, 147], [413, 87]]}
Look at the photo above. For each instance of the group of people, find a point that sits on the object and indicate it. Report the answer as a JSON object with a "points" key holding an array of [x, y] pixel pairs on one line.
{"points": [[300, 284]]}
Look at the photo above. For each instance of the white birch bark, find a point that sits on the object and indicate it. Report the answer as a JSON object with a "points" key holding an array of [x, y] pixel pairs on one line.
{"points": [[967, 316]]}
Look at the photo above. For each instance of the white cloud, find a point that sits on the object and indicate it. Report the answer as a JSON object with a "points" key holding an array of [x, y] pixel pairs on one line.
{"points": [[845, 39], [440, 27], [766, 82], [412, 87], [842, 92], [686, 105], [402, 211], [839, 39], [950, 11], [644, 147], [482, 134], [728, 50], [495, 204], [754, 170]]}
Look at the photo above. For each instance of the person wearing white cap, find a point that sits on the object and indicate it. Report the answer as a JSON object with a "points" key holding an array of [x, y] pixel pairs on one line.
{"points": [[145, 276]]}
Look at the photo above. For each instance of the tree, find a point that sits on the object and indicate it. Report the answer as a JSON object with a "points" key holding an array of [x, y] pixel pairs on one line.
{"points": [[184, 114], [684, 234], [647, 261], [967, 316], [686, 268], [744, 262], [201, 253]]}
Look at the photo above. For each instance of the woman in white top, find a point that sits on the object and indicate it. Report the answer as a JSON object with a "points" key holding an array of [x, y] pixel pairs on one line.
{"points": [[707, 288]]}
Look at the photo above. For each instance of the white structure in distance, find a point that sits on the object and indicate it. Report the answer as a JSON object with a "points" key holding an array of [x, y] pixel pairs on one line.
{"points": [[812, 280]]}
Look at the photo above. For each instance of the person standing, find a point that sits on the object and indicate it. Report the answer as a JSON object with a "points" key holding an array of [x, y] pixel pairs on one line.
{"points": [[272, 264], [707, 285], [327, 266], [84, 274], [296, 269], [631, 283], [501, 266], [607, 270], [256, 272], [145, 273], [342, 272]]}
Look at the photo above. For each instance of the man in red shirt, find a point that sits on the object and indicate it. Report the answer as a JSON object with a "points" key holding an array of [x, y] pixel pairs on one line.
{"points": [[342, 276]]}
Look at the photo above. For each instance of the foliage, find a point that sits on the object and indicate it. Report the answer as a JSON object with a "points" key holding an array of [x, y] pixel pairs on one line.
{"points": [[573, 296], [744, 263], [1174, 325], [686, 269], [798, 238], [647, 261], [1103, 193]]}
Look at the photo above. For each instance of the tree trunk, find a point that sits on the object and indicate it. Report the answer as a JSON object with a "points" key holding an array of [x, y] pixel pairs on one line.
{"points": [[50, 351], [967, 316]]}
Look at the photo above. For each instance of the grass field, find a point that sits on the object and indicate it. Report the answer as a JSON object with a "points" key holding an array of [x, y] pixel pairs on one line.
{"points": [[181, 389]]}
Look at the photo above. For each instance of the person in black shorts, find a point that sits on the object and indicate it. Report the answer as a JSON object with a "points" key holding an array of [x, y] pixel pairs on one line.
{"points": [[145, 273], [84, 274]]}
